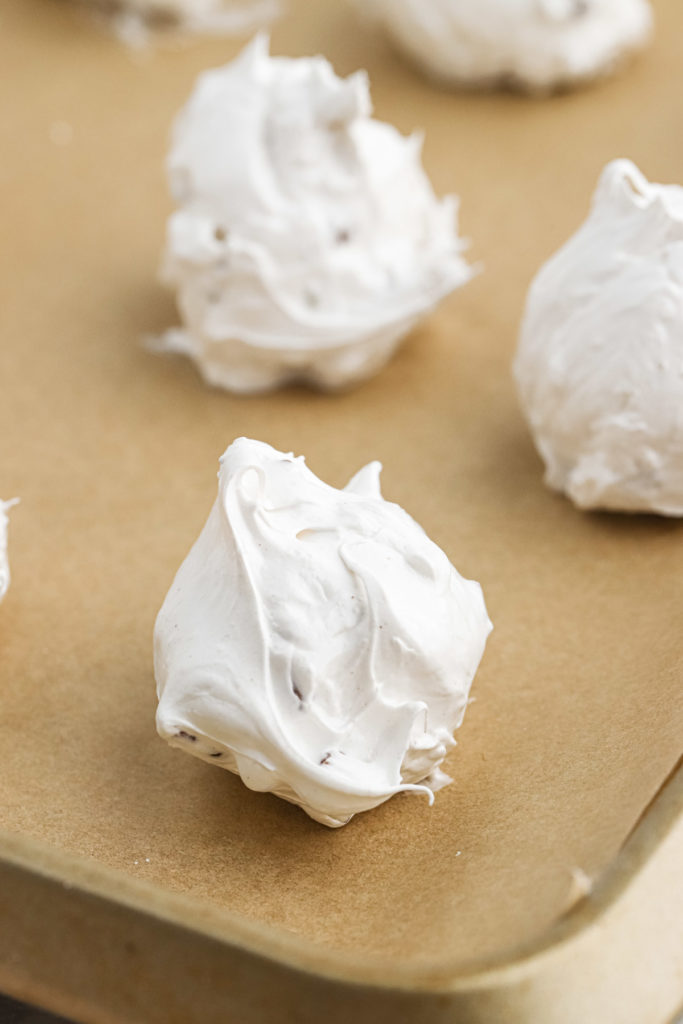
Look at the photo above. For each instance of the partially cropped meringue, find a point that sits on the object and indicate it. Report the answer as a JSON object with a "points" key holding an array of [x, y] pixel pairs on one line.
{"points": [[308, 240], [4, 563], [531, 44], [315, 641], [600, 359], [133, 19]]}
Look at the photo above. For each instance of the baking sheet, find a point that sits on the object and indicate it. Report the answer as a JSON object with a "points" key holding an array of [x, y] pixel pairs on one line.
{"points": [[578, 716]]}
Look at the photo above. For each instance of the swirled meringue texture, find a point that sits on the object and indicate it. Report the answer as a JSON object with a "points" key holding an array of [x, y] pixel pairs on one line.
{"points": [[5, 506], [315, 641], [535, 45], [308, 240], [600, 360]]}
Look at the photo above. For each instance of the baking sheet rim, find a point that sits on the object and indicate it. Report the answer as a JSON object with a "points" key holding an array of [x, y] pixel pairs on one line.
{"points": [[295, 952]]}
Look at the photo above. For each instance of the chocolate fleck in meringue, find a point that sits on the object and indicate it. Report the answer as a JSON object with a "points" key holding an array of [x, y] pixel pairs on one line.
{"points": [[600, 360], [536, 45], [307, 240], [315, 641]]}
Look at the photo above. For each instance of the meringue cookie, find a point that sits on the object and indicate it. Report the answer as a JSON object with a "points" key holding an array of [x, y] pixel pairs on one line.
{"points": [[315, 641], [4, 564], [600, 360], [132, 19], [308, 240], [531, 44]]}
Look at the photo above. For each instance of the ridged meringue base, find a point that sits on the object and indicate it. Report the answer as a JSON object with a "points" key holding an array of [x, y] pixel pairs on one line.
{"points": [[248, 370]]}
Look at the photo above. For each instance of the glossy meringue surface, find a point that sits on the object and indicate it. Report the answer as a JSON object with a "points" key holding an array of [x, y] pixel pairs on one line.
{"points": [[315, 641], [599, 366]]}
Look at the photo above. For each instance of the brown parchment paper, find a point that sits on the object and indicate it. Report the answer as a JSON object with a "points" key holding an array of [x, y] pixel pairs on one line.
{"points": [[578, 716]]}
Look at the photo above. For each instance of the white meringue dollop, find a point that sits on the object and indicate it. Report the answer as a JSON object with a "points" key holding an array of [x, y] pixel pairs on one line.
{"points": [[5, 506], [315, 641], [600, 360], [308, 240], [530, 44]]}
